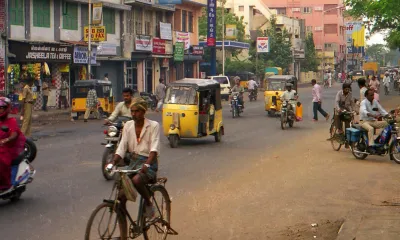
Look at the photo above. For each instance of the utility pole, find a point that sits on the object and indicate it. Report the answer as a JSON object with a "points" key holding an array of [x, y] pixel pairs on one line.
{"points": [[223, 37], [90, 41], [6, 48]]}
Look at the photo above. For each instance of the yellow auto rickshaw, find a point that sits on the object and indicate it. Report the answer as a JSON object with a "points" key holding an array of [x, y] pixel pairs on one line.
{"points": [[358, 74], [192, 109], [274, 87], [104, 95]]}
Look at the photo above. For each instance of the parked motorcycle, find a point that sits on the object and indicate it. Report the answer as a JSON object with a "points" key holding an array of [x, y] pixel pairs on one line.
{"points": [[287, 114], [151, 100], [253, 95], [236, 108], [113, 137], [22, 173], [386, 143]]}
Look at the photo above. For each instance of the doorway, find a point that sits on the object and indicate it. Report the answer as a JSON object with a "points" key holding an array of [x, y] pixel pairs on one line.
{"points": [[149, 76], [131, 72], [189, 70]]}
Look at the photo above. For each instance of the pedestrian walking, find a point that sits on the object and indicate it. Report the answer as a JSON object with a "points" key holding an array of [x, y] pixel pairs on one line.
{"points": [[45, 95], [160, 94], [91, 103], [27, 107], [62, 100], [317, 101], [330, 78]]}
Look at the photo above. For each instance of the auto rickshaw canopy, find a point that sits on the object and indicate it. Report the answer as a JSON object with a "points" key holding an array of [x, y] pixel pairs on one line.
{"points": [[280, 80], [81, 88]]}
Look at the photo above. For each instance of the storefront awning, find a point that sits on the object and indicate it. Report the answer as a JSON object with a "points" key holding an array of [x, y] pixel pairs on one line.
{"points": [[192, 58], [106, 4], [111, 58]]}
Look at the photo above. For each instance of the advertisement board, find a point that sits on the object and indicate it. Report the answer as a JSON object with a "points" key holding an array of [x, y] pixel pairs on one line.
{"points": [[211, 23], [98, 34], [262, 45]]}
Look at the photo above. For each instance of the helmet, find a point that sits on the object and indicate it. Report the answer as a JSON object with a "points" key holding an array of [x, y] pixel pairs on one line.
{"points": [[5, 102]]}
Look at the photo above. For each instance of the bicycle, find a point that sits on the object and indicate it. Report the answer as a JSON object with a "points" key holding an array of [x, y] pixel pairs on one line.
{"points": [[337, 144], [161, 224]]}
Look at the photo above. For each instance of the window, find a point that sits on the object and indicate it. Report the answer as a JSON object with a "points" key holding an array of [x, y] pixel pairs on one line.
{"points": [[307, 10], [281, 11], [70, 16], [148, 19], [241, 8], [190, 22], [130, 18], [41, 13], [177, 20], [184, 24], [328, 45], [109, 20], [159, 18], [138, 20], [16, 12], [330, 29]]}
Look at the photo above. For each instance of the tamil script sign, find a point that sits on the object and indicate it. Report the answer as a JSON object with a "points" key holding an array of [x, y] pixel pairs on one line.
{"points": [[143, 43], [262, 45], [179, 52], [211, 23], [81, 55], [46, 52], [197, 50], [98, 34]]}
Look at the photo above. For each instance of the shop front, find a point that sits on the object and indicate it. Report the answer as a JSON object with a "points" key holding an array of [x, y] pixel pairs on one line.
{"points": [[162, 53], [42, 62], [191, 60], [142, 59]]}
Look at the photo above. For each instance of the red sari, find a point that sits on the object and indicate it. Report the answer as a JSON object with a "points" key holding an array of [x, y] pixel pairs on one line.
{"points": [[9, 151]]}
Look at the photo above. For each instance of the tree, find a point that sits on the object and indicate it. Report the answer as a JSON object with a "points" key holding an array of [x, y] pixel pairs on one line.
{"points": [[310, 63], [381, 15], [229, 18], [377, 53]]}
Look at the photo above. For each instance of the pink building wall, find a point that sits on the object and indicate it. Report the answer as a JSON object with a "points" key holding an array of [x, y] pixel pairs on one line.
{"points": [[317, 18]]}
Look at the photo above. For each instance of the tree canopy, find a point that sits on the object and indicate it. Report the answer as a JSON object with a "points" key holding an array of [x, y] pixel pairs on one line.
{"points": [[377, 53], [310, 63], [381, 15], [229, 18]]}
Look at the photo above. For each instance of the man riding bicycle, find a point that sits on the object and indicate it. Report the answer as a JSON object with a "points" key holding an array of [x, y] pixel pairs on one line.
{"points": [[344, 105]]}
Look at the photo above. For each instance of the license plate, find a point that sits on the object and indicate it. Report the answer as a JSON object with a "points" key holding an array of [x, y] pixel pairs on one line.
{"points": [[74, 114], [113, 139]]}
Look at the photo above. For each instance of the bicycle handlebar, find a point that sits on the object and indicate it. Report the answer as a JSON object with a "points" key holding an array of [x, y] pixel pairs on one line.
{"points": [[125, 171]]}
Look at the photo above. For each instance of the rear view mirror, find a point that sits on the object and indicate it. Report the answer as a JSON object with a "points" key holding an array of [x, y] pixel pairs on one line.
{"points": [[5, 128]]}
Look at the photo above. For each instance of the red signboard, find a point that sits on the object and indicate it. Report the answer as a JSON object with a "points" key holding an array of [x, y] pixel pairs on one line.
{"points": [[158, 46], [3, 71]]}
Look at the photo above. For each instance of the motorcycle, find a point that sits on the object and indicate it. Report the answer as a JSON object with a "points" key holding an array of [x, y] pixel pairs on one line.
{"points": [[22, 173], [253, 95], [151, 100], [236, 108], [287, 114], [113, 138], [386, 143]]}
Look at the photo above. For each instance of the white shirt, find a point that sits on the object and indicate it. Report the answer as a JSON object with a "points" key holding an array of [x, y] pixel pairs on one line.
{"points": [[286, 95], [120, 110], [149, 140], [386, 80], [251, 84], [366, 107]]}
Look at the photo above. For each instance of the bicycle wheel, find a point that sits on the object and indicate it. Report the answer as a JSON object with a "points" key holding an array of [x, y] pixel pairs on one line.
{"points": [[158, 227], [333, 131], [110, 225]]}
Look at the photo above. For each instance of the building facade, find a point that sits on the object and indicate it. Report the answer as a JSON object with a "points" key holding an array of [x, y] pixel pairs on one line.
{"points": [[325, 20]]}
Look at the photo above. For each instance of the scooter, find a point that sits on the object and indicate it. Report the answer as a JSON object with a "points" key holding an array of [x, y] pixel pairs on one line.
{"points": [[22, 173]]}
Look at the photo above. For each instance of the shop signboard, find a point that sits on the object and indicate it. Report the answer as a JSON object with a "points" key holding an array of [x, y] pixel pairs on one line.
{"points": [[169, 48], [262, 45], [143, 43], [211, 23], [99, 34], [41, 52], [107, 49], [97, 13], [81, 55], [165, 31], [158, 46], [179, 51], [231, 31], [197, 50], [183, 37]]}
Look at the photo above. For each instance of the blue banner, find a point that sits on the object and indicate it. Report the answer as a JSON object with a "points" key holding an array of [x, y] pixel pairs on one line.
{"points": [[211, 23], [169, 2]]}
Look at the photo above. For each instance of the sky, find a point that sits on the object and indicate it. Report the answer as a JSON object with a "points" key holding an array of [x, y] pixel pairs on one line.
{"points": [[376, 38]]}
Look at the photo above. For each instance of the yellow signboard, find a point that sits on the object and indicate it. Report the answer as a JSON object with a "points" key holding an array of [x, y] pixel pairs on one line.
{"points": [[98, 34], [97, 13]]}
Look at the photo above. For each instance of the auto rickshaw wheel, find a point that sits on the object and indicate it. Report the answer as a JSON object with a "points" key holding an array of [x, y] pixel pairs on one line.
{"points": [[271, 113], [173, 140], [218, 135]]}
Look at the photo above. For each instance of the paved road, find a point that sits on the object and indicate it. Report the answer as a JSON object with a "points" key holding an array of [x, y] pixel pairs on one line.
{"points": [[69, 184]]}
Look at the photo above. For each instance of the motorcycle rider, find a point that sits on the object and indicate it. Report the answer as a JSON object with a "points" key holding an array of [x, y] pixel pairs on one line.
{"points": [[122, 109], [370, 111], [290, 95], [344, 104], [252, 86], [11, 143], [239, 89]]}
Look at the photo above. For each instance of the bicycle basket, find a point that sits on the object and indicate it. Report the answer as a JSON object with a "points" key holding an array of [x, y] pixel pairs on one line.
{"points": [[129, 188]]}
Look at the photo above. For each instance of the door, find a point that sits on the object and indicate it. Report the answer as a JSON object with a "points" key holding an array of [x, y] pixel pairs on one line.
{"points": [[131, 72], [189, 70]]}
